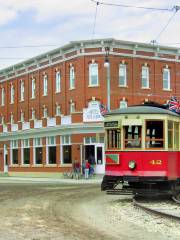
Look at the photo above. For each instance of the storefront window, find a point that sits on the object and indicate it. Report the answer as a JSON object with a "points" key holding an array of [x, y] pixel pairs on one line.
{"points": [[66, 149]]}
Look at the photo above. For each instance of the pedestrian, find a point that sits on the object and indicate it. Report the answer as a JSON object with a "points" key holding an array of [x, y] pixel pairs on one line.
{"points": [[87, 166], [77, 168]]}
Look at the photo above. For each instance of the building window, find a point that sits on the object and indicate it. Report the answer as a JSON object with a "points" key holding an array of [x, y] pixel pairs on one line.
{"points": [[2, 120], [145, 77], [66, 149], [22, 91], [38, 151], [33, 88], [72, 107], [12, 94], [25, 151], [72, 78], [123, 104], [33, 114], [45, 112], [122, 75], [93, 74], [14, 151], [51, 150], [11, 118], [45, 85], [2, 96], [166, 79], [58, 110], [22, 116], [58, 82]]}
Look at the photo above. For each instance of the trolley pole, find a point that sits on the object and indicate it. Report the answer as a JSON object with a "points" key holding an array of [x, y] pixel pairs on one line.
{"points": [[107, 66]]}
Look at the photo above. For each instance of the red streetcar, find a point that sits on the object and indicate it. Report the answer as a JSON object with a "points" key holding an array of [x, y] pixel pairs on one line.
{"points": [[142, 151]]}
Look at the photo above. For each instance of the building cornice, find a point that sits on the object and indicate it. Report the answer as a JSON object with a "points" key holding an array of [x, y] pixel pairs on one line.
{"points": [[77, 49], [75, 128]]}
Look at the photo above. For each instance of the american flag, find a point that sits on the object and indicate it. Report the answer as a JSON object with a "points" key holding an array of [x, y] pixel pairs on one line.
{"points": [[103, 109], [174, 105]]}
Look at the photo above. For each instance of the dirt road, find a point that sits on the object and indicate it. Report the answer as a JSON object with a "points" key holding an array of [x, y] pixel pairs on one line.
{"points": [[66, 212]]}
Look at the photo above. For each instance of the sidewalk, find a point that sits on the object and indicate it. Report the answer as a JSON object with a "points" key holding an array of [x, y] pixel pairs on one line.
{"points": [[95, 180]]}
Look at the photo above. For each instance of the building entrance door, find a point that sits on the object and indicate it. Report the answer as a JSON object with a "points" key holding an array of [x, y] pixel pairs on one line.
{"points": [[5, 159], [95, 155]]}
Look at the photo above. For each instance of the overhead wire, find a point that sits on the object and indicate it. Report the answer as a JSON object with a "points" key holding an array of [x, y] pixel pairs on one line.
{"points": [[131, 6], [95, 17]]}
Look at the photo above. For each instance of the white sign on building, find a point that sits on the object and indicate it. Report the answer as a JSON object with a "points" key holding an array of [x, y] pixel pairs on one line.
{"points": [[92, 113]]}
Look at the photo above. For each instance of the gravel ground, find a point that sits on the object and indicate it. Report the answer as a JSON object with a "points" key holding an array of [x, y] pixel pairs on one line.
{"points": [[123, 209], [51, 211]]}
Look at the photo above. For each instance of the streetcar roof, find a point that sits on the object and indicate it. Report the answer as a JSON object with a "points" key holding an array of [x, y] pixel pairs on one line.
{"points": [[142, 110]]}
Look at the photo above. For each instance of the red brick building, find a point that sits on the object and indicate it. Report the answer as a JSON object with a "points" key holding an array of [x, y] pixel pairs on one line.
{"points": [[42, 125]]}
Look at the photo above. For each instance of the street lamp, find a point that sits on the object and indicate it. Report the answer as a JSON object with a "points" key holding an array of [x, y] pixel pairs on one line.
{"points": [[107, 66]]}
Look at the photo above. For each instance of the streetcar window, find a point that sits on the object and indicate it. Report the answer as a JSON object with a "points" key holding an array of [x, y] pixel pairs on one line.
{"points": [[170, 134], [154, 134], [176, 135], [132, 136], [113, 138]]}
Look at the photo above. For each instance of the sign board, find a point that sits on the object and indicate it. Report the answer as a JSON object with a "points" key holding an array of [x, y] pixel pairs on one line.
{"points": [[92, 113], [111, 124]]}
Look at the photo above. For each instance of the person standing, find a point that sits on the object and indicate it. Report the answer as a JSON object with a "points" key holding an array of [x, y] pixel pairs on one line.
{"points": [[87, 166]]}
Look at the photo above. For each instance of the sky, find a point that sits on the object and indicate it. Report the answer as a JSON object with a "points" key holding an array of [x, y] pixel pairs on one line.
{"points": [[39, 23]]}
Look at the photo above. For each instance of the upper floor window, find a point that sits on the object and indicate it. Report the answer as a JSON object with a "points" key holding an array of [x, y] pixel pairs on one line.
{"points": [[2, 119], [45, 85], [72, 78], [33, 88], [145, 77], [11, 118], [72, 107], [22, 116], [122, 75], [58, 82], [2, 96], [58, 110], [45, 112], [93, 74], [166, 79], [33, 114], [22, 91], [123, 104], [12, 94]]}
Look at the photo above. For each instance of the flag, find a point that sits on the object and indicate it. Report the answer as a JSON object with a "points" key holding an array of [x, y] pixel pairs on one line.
{"points": [[103, 109], [174, 105]]}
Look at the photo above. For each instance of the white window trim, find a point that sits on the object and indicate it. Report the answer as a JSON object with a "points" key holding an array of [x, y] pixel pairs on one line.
{"points": [[169, 79], [58, 82], [11, 149], [2, 97], [69, 143], [146, 68], [34, 150], [22, 91], [22, 150], [90, 75], [125, 75], [12, 94], [47, 149], [71, 78], [45, 85], [33, 88]]}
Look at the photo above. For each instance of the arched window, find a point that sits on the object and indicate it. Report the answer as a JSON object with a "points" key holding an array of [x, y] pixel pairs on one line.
{"points": [[12, 94], [58, 82], [145, 77], [166, 79], [122, 75], [45, 85], [33, 88], [2, 97], [22, 91], [72, 78]]}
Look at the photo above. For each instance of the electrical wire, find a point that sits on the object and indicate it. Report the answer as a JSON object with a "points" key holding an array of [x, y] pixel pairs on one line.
{"points": [[132, 6], [164, 28]]}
